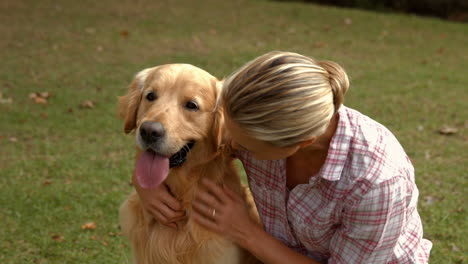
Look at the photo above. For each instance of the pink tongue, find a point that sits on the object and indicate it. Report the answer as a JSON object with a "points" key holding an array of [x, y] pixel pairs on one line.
{"points": [[151, 169]]}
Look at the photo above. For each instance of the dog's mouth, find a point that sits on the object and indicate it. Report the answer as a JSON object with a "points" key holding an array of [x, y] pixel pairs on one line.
{"points": [[180, 157], [152, 168]]}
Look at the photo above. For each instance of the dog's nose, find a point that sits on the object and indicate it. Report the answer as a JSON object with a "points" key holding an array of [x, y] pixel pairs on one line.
{"points": [[151, 131]]}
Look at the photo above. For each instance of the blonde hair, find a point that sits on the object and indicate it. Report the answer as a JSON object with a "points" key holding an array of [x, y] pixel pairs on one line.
{"points": [[284, 98]]}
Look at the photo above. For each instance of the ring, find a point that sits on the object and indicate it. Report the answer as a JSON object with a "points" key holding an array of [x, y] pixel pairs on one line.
{"points": [[214, 213]]}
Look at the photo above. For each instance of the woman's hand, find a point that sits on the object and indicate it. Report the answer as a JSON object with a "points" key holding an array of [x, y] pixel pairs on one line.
{"points": [[223, 211], [160, 204]]}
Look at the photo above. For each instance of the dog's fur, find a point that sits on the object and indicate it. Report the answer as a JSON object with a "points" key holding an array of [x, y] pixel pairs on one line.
{"points": [[175, 84]]}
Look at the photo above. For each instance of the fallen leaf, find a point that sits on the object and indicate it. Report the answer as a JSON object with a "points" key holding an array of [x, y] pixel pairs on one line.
{"points": [[124, 33], [427, 154], [90, 30], [5, 100], [429, 200], [47, 182], [13, 139], [44, 95], [87, 104], [89, 226], [447, 130], [58, 238], [348, 21], [93, 237], [40, 100], [319, 44], [455, 248]]}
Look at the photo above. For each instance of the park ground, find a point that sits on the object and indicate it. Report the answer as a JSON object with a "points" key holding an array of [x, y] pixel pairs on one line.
{"points": [[65, 163]]}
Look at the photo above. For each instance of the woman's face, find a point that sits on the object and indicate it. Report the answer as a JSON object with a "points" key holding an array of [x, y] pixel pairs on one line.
{"points": [[260, 150]]}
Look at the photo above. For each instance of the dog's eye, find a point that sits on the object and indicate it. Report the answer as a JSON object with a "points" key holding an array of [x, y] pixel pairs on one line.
{"points": [[192, 106], [151, 96]]}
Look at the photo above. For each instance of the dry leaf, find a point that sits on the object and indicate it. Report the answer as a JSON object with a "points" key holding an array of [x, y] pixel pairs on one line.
{"points": [[47, 182], [89, 226], [319, 44], [5, 100], [124, 33], [455, 248], [427, 154], [87, 104], [429, 200], [44, 95], [40, 100], [90, 30], [58, 238], [448, 130]]}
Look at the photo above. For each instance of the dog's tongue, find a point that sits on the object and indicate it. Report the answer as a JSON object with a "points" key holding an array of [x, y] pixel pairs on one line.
{"points": [[151, 169]]}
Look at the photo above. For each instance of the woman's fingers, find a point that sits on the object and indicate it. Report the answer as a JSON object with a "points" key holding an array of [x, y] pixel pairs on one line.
{"points": [[169, 213], [169, 200], [231, 194], [204, 209], [208, 199], [216, 190], [206, 222], [162, 220]]}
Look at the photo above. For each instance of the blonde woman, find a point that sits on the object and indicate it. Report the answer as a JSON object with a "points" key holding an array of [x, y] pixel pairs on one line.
{"points": [[331, 185]]}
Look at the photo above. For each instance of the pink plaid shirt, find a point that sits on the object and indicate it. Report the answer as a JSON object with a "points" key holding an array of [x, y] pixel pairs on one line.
{"points": [[360, 208]]}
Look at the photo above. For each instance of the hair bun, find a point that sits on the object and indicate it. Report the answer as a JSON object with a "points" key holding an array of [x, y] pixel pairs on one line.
{"points": [[338, 79]]}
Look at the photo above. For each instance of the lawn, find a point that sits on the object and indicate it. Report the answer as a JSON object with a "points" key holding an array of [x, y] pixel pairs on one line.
{"points": [[65, 161]]}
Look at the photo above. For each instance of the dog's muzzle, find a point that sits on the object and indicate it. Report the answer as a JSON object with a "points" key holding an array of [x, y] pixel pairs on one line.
{"points": [[180, 157]]}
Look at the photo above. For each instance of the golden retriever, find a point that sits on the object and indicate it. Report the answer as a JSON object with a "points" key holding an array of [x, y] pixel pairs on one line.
{"points": [[179, 135]]}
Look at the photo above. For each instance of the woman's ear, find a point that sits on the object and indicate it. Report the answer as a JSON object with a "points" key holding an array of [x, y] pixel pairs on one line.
{"points": [[129, 103]]}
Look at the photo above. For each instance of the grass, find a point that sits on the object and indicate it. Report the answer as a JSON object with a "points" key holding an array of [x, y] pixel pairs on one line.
{"points": [[62, 166]]}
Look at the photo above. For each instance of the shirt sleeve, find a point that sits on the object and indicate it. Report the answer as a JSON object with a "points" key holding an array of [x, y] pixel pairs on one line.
{"points": [[371, 227]]}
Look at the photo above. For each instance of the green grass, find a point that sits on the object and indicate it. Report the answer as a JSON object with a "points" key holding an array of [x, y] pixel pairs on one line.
{"points": [[69, 165]]}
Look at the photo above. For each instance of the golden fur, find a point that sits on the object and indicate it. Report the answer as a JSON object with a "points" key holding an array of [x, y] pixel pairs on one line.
{"points": [[154, 243]]}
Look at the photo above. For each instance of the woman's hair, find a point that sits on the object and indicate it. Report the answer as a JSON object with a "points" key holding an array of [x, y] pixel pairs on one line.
{"points": [[284, 98]]}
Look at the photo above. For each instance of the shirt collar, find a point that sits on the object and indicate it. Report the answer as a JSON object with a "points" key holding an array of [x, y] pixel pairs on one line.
{"points": [[339, 147]]}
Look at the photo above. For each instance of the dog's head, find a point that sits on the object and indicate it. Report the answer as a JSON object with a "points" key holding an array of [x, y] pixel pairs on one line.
{"points": [[173, 110]]}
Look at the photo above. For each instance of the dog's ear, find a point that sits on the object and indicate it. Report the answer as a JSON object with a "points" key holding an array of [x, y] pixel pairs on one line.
{"points": [[129, 103], [219, 133]]}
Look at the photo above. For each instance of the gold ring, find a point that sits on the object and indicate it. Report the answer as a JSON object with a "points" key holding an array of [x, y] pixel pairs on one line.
{"points": [[214, 213]]}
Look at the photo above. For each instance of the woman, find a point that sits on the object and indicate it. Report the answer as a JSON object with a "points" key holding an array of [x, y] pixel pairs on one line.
{"points": [[331, 185]]}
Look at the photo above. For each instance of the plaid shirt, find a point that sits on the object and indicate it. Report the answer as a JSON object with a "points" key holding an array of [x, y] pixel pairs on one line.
{"points": [[359, 208]]}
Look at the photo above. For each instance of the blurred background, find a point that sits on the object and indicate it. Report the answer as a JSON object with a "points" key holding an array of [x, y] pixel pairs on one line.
{"points": [[65, 163]]}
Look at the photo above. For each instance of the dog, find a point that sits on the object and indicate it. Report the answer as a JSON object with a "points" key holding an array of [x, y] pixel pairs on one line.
{"points": [[180, 139]]}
